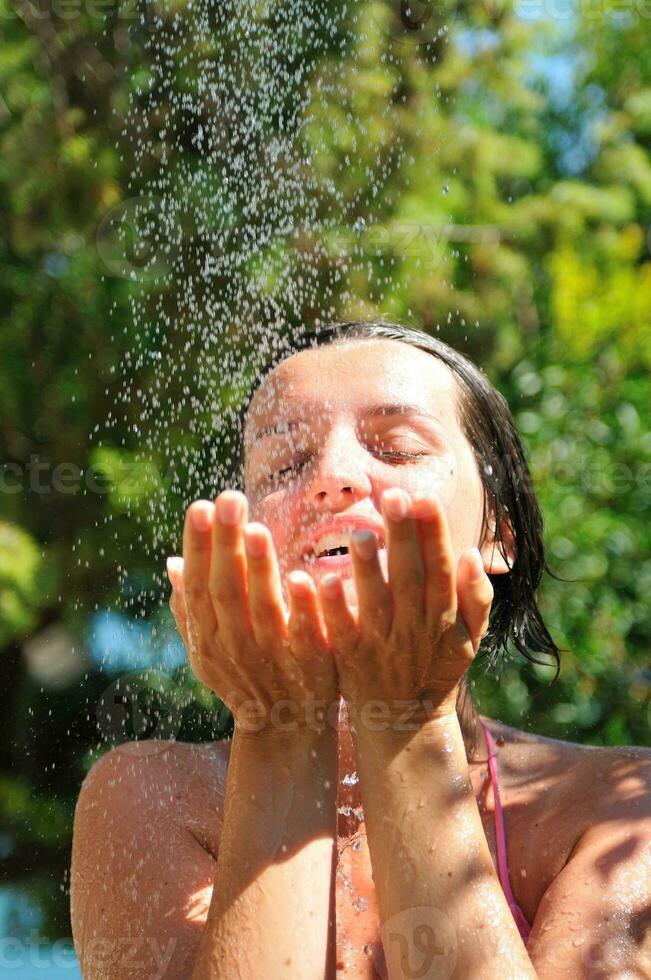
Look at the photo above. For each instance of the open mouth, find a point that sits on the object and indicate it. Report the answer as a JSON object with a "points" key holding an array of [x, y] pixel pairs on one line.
{"points": [[330, 552], [323, 553], [331, 557]]}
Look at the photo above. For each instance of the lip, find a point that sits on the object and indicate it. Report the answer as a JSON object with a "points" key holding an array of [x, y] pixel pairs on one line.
{"points": [[341, 564], [343, 526], [330, 563]]}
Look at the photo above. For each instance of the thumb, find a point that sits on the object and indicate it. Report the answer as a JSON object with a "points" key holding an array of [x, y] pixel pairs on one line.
{"points": [[474, 595], [177, 598]]}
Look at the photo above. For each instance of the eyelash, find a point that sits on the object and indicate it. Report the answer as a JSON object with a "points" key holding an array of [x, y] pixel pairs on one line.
{"points": [[295, 467]]}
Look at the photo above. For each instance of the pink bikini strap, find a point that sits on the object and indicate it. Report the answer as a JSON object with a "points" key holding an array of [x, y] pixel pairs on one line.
{"points": [[500, 835]]}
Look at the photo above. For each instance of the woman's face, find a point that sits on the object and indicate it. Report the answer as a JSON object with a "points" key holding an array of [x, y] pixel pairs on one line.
{"points": [[332, 428]]}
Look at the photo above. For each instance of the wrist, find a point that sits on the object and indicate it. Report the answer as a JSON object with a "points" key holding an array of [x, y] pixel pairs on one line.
{"points": [[290, 741], [430, 741], [302, 764], [399, 718], [288, 717]]}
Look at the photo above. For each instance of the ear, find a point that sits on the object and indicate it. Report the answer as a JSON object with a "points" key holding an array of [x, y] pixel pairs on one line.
{"points": [[491, 552]]}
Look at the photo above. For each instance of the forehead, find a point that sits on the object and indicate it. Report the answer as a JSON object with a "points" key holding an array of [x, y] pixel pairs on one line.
{"points": [[352, 375]]}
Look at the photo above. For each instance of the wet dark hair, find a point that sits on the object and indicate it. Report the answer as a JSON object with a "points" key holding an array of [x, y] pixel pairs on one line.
{"points": [[486, 421]]}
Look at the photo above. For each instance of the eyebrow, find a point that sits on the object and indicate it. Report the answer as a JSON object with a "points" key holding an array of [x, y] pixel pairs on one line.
{"points": [[388, 410]]}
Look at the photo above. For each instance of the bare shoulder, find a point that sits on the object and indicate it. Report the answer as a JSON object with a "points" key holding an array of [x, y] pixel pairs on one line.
{"points": [[618, 781], [156, 756], [146, 835], [580, 853], [594, 783], [162, 782], [559, 793]]}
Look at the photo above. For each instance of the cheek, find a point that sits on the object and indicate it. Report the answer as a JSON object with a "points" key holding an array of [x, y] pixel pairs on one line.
{"points": [[281, 512], [465, 508], [456, 486], [439, 475]]}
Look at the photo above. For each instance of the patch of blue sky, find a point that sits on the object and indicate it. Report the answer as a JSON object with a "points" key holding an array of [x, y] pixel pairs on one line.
{"points": [[24, 952], [559, 71], [117, 644], [562, 13], [474, 41], [559, 64]]}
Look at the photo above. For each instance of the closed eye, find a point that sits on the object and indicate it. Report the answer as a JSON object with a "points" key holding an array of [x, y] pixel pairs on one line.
{"points": [[395, 456], [400, 455]]}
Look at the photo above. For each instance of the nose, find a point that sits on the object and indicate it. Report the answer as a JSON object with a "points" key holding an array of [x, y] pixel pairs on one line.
{"points": [[340, 476]]}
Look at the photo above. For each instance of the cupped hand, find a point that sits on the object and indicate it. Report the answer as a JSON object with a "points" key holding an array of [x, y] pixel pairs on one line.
{"points": [[269, 665], [401, 655]]}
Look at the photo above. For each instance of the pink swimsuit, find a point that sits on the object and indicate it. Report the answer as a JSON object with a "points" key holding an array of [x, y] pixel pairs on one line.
{"points": [[502, 861]]}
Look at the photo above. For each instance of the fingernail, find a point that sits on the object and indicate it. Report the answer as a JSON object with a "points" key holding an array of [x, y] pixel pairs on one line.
{"points": [[477, 566], [299, 584], [229, 510], [255, 542], [425, 508], [201, 518], [174, 567], [365, 544], [396, 503], [330, 586]]}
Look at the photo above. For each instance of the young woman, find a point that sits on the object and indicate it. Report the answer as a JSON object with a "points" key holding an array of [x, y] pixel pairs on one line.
{"points": [[364, 821]]}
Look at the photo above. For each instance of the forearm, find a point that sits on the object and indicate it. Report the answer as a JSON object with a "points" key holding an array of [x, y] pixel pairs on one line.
{"points": [[272, 911], [438, 892]]}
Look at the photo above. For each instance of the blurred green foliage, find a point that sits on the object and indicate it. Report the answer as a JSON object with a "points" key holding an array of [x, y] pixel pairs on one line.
{"points": [[515, 222]]}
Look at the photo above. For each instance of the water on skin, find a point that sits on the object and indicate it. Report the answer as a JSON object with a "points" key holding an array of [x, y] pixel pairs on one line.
{"points": [[225, 122]]}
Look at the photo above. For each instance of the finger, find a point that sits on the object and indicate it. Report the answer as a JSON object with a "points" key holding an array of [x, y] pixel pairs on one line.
{"points": [[306, 626], [180, 618], [475, 596], [202, 622], [266, 604], [340, 623], [228, 572], [174, 566], [406, 572], [177, 599], [439, 563], [373, 596]]}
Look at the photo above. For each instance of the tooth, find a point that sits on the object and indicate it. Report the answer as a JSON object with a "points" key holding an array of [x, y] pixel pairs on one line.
{"points": [[342, 549], [332, 540]]}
